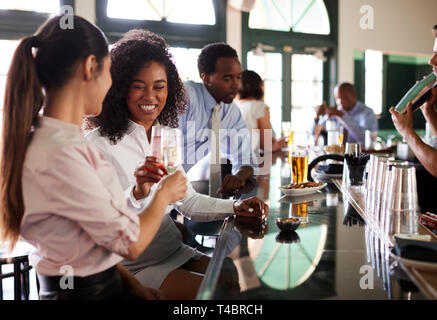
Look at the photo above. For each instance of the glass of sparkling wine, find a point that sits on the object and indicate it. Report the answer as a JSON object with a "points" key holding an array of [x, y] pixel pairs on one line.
{"points": [[299, 165], [171, 150]]}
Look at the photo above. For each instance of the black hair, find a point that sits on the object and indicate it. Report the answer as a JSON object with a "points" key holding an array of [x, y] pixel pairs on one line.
{"points": [[346, 86], [251, 85], [211, 53]]}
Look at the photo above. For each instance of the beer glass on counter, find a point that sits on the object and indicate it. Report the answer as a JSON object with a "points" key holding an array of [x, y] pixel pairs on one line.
{"points": [[300, 210], [299, 165]]}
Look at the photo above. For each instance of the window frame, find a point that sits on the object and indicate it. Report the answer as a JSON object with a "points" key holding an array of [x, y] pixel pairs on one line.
{"points": [[297, 41], [15, 24], [176, 34]]}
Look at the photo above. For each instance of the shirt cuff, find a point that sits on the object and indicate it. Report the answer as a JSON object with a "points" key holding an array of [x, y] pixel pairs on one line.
{"points": [[225, 206], [132, 202]]}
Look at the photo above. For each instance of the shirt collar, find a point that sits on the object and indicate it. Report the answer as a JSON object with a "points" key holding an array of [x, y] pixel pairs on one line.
{"points": [[45, 121], [357, 107], [210, 102], [132, 126]]}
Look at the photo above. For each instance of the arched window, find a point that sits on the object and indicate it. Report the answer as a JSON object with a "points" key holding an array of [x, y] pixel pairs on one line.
{"points": [[300, 38], [47, 6], [175, 20], [168, 10], [305, 16], [185, 30]]}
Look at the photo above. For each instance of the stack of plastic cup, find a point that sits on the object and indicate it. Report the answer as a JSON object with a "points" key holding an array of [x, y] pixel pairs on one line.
{"points": [[402, 205], [371, 181], [384, 217]]}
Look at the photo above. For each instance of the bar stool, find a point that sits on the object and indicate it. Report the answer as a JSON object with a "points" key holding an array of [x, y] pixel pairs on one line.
{"points": [[21, 267]]}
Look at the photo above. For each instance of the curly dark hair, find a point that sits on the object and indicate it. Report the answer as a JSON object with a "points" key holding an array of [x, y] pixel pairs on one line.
{"points": [[136, 49], [211, 53], [251, 85]]}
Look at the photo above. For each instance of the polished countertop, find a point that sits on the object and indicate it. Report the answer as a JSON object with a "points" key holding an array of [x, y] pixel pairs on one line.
{"points": [[333, 254]]}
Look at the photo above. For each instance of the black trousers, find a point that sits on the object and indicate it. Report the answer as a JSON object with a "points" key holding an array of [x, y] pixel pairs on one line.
{"points": [[105, 285]]}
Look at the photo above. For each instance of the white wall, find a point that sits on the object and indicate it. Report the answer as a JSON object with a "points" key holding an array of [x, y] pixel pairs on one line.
{"points": [[233, 29], [400, 26], [86, 9]]}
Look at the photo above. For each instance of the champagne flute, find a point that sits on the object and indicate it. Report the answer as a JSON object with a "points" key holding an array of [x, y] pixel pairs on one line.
{"points": [[156, 141], [171, 151]]}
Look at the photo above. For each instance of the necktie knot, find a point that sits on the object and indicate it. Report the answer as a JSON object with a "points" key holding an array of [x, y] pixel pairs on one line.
{"points": [[216, 108]]}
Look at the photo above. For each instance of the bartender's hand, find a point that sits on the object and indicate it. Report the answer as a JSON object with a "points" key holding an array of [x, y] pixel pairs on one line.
{"points": [[428, 108], [146, 175], [403, 121], [252, 207]]}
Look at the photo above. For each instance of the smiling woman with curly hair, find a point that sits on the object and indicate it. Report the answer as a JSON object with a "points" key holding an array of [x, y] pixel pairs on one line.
{"points": [[146, 90], [135, 51]]}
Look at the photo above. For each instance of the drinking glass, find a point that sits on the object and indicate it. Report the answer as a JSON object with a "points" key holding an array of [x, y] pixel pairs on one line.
{"points": [[299, 210], [156, 141], [402, 203], [287, 132], [333, 132], [370, 139], [171, 150], [299, 165], [300, 139], [340, 135], [385, 217], [354, 149]]}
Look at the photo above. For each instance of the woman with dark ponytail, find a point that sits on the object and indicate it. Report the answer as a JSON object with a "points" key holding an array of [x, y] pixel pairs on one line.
{"points": [[58, 192]]}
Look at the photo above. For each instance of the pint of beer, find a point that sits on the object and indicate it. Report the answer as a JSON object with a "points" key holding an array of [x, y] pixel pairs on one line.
{"points": [[300, 210], [299, 165]]}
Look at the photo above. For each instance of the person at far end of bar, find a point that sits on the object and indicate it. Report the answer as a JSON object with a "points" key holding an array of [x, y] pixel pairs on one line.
{"points": [[211, 109], [351, 113], [426, 154]]}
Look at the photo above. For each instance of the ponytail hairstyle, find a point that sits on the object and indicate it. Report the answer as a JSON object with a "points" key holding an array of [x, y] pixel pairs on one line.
{"points": [[41, 64]]}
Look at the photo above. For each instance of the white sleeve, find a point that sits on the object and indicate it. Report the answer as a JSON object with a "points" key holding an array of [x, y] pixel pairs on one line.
{"points": [[133, 204], [259, 110], [200, 207]]}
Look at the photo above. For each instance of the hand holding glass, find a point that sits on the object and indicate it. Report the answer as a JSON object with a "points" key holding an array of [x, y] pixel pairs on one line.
{"points": [[171, 150]]}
